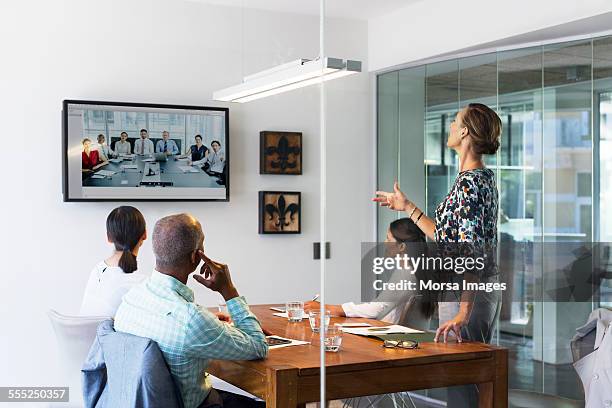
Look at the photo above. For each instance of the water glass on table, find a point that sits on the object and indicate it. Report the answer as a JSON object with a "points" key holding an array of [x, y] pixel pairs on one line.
{"points": [[295, 311], [332, 338], [314, 317]]}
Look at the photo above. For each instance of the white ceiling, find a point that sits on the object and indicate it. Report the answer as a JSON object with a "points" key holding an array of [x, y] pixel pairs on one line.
{"points": [[352, 9]]}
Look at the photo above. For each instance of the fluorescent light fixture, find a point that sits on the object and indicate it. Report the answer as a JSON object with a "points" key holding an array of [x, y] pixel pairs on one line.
{"points": [[286, 77]]}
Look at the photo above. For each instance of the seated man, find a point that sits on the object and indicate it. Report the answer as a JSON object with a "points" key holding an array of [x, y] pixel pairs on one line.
{"points": [[166, 145], [162, 308]]}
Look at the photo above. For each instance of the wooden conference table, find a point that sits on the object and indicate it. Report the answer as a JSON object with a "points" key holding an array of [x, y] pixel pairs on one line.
{"points": [[289, 377]]}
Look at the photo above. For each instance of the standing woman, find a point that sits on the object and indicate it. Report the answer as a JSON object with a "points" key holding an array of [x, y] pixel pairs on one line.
{"points": [[468, 214], [115, 276]]}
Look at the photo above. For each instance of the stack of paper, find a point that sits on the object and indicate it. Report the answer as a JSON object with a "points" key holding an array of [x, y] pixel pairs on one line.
{"points": [[377, 331], [188, 169], [105, 173]]}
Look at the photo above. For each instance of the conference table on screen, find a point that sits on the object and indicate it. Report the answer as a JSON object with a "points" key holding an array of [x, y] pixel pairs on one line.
{"points": [[171, 173], [289, 377]]}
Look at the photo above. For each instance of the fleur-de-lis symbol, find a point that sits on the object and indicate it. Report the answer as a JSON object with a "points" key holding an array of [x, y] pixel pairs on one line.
{"points": [[286, 213], [283, 150]]}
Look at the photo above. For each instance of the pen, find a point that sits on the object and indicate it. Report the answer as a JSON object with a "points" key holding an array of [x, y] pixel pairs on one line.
{"points": [[315, 298]]}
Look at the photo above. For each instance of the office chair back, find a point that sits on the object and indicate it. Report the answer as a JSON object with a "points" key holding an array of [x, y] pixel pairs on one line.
{"points": [[74, 335], [413, 315]]}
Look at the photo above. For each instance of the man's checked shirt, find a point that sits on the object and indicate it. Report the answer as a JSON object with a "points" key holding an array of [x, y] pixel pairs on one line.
{"points": [[162, 309]]}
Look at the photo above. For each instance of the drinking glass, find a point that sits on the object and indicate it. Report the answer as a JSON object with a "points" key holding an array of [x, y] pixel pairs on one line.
{"points": [[295, 311], [314, 317], [333, 338], [223, 307]]}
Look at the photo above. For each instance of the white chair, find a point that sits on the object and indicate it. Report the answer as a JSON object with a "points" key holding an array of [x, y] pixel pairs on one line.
{"points": [[74, 335]]}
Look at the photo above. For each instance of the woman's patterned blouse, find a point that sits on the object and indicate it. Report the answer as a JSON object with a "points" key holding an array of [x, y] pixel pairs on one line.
{"points": [[469, 211]]}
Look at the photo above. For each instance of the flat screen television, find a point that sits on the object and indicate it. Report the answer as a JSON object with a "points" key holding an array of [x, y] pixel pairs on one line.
{"points": [[116, 151]]}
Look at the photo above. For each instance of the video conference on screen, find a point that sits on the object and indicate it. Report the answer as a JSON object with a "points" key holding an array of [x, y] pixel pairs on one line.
{"points": [[117, 151]]}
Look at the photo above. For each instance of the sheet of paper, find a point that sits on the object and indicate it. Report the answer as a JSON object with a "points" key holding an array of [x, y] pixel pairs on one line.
{"points": [[183, 159], [105, 173], [374, 331], [97, 176], [188, 169], [282, 314], [115, 160], [293, 343], [148, 160], [354, 324], [130, 166]]}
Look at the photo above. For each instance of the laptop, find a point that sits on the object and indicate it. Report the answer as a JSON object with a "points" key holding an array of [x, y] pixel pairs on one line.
{"points": [[161, 157]]}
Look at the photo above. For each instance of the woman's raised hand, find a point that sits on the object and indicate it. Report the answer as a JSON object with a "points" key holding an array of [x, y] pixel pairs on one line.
{"points": [[395, 201]]}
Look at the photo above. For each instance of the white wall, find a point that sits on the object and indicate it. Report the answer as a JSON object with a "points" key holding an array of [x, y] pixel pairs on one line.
{"points": [[432, 27], [175, 52]]}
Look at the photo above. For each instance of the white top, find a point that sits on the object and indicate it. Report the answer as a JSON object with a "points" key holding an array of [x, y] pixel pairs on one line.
{"points": [[106, 150], [143, 146], [105, 288], [372, 310], [122, 147], [594, 368], [215, 159]]}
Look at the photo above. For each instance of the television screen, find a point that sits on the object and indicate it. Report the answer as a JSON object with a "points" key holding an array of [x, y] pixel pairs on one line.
{"points": [[117, 151]]}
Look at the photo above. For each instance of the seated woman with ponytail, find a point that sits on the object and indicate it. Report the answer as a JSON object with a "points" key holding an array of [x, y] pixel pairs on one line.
{"points": [[114, 277]]}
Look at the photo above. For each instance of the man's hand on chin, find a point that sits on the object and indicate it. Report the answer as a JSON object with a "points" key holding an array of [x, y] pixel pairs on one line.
{"points": [[224, 317]]}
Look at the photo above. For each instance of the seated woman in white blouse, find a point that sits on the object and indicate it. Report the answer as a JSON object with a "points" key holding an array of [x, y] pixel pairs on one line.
{"points": [[112, 278], [400, 234]]}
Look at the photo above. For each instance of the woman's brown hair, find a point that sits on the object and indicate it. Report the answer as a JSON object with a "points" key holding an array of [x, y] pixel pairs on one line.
{"points": [[484, 127], [125, 226]]}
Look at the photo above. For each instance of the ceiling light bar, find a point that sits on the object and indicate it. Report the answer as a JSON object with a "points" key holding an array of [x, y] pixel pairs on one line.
{"points": [[286, 77]]}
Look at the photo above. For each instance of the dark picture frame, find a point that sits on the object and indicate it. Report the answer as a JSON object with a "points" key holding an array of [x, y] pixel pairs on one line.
{"points": [[280, 212], [65, 173], [280, 153]]}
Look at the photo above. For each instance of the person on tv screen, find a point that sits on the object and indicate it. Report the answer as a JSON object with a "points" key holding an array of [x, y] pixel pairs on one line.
{"points": [[214, 163], [144, 145], [217, 158], [90, 158], [198, 151], [166, 145], [123, 146], [105, 151], [113, 277]]}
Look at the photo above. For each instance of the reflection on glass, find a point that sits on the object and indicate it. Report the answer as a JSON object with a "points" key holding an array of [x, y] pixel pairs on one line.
{"points": [[442, 104], [555, 103], [602, 176], [182, 128], [387, 143]]}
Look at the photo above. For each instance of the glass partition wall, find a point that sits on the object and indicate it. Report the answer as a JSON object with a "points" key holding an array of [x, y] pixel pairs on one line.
{"points": [[552, 170]]}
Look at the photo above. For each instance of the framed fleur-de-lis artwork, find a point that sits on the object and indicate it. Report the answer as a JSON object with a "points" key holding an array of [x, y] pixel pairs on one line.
{"points": [[280, 212], [280, 152]]}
